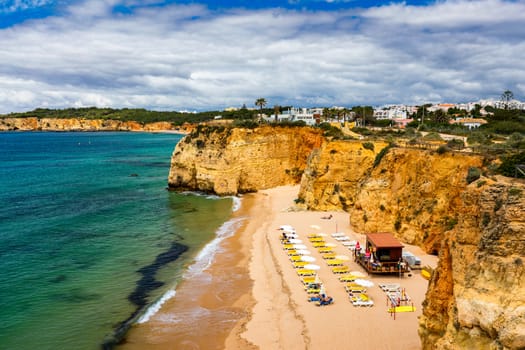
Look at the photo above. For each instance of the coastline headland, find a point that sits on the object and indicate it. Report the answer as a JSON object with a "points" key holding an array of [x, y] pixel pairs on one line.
{"points": [[84, 124], [475, 228]]}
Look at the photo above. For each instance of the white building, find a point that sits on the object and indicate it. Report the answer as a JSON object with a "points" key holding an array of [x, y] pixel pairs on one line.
{"points": [[310, 116], [391, 112]]}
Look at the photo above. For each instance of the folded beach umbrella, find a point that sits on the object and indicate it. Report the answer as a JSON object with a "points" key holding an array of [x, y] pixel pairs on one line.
{"points": [[332, 245], [364, 283], [342, 257], [357, 274], [295, 241], [303, 252], [312, 267], [316, 227], [307, 258], [322, 234], [299, 246]]}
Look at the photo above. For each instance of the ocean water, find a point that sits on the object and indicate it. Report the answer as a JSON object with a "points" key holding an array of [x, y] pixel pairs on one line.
{"points": [[90, 239]]}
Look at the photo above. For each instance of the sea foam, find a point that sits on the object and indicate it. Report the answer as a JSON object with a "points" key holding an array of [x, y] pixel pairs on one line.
{"points": [[203, 259], [153, 309]]}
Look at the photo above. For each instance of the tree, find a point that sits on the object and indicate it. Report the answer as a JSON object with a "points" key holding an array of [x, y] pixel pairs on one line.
{"points": [[506, 97], [261, 102], [440, 117], [276, 112]]}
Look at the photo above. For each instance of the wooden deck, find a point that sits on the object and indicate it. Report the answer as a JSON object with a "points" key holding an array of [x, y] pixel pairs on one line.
{"points": [[384, 268]]}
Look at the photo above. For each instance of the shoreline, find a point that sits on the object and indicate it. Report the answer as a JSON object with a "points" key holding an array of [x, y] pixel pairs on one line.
{"points": [[252, 298], [207, 305]]}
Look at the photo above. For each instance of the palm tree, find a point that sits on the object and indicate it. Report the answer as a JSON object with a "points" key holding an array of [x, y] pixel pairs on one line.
{"points": [[506, 97], [261, 102]]}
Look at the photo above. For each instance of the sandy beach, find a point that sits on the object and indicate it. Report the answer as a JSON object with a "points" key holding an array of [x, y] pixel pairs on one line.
{"points": [[264, 304]]}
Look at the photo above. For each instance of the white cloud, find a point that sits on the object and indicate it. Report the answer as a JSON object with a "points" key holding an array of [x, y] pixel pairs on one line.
{"points": [[186, 57], [10, 6]]}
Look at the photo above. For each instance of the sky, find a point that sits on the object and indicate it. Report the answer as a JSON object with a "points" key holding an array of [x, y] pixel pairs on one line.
{"points": [[211, 54]]}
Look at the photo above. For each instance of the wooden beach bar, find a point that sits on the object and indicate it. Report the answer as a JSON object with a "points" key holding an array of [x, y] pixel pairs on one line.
{"points": [[383, 254]]}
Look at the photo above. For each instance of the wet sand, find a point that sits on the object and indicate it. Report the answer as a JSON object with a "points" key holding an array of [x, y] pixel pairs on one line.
{"points": [[209, 306], [252, 298]]}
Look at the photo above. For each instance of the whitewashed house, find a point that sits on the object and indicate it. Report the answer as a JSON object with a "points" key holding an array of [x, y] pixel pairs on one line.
{"points": [[311, 116]]}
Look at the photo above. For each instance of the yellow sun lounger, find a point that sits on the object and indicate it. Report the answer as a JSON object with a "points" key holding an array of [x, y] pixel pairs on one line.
{"points": [[362, 296], [311, 235], [319, 244], [295, 258], [362, 300], [305, 272], [329, 256], [402, 308], [313, 288], [308, 279], [316, 239], [354, 288], [341, 269], [347, 278], [299, 264], [288, 247], [334, 262], [325, 250], [292, 252]]}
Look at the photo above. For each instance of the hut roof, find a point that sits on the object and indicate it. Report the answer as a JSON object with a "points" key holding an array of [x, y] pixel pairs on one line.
{"points": [[383, 240]]}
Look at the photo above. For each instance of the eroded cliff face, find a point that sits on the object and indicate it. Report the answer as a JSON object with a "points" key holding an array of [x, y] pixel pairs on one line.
{"points": [[476, 300], [410, 192], [476, 297], [80, 124], [230, 161]]}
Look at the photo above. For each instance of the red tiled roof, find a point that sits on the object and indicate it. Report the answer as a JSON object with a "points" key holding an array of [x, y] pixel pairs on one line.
{"points": [[383, 240]]}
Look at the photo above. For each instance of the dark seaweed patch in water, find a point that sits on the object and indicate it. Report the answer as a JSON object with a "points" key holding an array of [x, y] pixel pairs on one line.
{"points": [[58, 279], [76, 296], [145, 285]]}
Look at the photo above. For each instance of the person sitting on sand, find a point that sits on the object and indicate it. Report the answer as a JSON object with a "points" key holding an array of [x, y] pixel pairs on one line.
{"points": [[326, 300], [327, 217]]}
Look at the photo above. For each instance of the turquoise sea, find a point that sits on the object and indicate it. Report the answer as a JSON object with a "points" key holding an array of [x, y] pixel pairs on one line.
{"points": [[89, 236]]}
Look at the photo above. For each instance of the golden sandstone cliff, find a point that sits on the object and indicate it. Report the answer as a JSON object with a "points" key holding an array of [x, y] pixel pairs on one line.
{"points": [[476, 297], [81, 124], [229, 161]]}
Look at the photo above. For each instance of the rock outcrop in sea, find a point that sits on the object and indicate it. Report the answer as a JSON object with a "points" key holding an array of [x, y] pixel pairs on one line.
{"points": [[476, 296]]}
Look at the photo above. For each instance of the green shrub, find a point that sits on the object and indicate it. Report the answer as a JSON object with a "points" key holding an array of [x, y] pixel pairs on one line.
{"points": [[473, 174], [368, 145], [514, 191], [481, 183], [456, 144], [442, 149], [432, 136], [450, 223], [397, 223], [508, 165], [380, 155]]}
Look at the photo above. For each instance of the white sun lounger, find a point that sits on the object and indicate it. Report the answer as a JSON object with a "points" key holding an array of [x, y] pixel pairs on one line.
{"points": [[342, 238], [338, 234], [363, 303], [390, 287]]}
